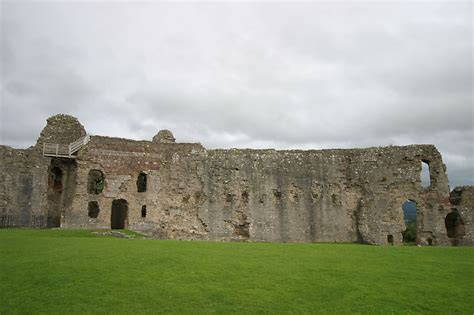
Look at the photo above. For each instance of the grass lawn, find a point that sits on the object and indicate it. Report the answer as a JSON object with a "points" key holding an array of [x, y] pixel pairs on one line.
{"points": [[75, 271]]}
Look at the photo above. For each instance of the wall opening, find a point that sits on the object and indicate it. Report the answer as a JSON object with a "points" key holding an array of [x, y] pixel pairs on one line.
{"points": [[93, 209], [229, 197], [425, 174], [55, 180], [119, 214], [245, 197], [62, 181], [277, 193], [55, 196], [241, 225], [454, 226], [143, 211], [390, 239], [141, 182], [95, 182], [430, 241], [409, 218]]}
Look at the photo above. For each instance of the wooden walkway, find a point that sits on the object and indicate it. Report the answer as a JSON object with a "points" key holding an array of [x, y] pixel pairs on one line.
{"points": [[65, 150]]}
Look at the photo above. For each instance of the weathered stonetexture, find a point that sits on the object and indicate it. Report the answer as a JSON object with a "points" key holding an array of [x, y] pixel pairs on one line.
{"points": [[164, 136], [23, 186], [183, 191], [462, 199], [61, 129]]}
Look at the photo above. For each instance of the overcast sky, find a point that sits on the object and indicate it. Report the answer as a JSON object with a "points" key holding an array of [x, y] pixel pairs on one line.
{"points": [[304, 75]]}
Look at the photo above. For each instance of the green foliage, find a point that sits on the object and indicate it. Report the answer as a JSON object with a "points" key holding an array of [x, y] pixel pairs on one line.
{"points": [[409, 235], [77, 272], [99, 186]]}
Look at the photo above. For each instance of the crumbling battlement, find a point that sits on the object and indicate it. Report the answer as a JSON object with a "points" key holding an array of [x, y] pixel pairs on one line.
{"points": [[183, 191]]}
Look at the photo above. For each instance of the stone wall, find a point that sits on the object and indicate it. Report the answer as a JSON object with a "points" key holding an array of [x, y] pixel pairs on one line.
{"points": [[183, 191], [173, 186], [61, 129], [23, 183], [462, 199], [324, 196]]}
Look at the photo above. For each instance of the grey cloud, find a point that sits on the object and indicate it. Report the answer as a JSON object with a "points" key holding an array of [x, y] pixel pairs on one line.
{"points": [[306, 75]]}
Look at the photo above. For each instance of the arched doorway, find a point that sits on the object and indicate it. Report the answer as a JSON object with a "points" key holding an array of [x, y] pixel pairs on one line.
{"points": [[119, 214]]}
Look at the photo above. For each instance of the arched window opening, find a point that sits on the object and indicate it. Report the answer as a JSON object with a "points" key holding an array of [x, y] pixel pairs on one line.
{"points": [[454, 225], [425, 174], [143, 211], [95, 182], [93, 209], [141, 182], [55, 179], [409, 218]]}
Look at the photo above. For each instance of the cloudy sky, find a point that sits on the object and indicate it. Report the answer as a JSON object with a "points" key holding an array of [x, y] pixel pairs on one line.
{"points": [[305, 75]]}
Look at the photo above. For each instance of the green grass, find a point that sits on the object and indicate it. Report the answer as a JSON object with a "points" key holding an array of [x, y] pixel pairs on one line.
{"points": [[71, 271]]}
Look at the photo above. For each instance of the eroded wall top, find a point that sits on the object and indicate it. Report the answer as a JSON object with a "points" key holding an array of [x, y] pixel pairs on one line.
{"points": [[61, 129]]}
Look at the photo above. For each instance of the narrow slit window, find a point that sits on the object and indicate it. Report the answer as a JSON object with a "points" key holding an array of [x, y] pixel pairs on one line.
{"points": [[143, 211]]}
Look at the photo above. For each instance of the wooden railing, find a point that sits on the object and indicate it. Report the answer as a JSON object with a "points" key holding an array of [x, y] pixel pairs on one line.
{"points": [[65, 150]]}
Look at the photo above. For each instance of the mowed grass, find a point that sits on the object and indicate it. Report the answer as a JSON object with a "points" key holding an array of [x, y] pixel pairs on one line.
{"points": [[75, 271]]}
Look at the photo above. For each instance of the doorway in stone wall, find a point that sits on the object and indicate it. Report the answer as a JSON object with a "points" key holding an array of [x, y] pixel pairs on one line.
{"points": [[119, 214], [409, 208], [61, 190], [55, 189]]}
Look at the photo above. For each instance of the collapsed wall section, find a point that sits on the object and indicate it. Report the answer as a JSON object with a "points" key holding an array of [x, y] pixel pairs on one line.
{"points": [[390, 176]]}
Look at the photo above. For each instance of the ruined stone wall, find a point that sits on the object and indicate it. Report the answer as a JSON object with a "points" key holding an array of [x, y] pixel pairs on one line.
{"points": [[23, 183], [462, 199], [25, 193], [324, 196], [344, 195], [61, 129], [387, 178], [173, 190]]}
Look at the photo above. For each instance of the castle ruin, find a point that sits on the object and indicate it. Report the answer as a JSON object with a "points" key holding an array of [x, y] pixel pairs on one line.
{"points": [[170, 190]]}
